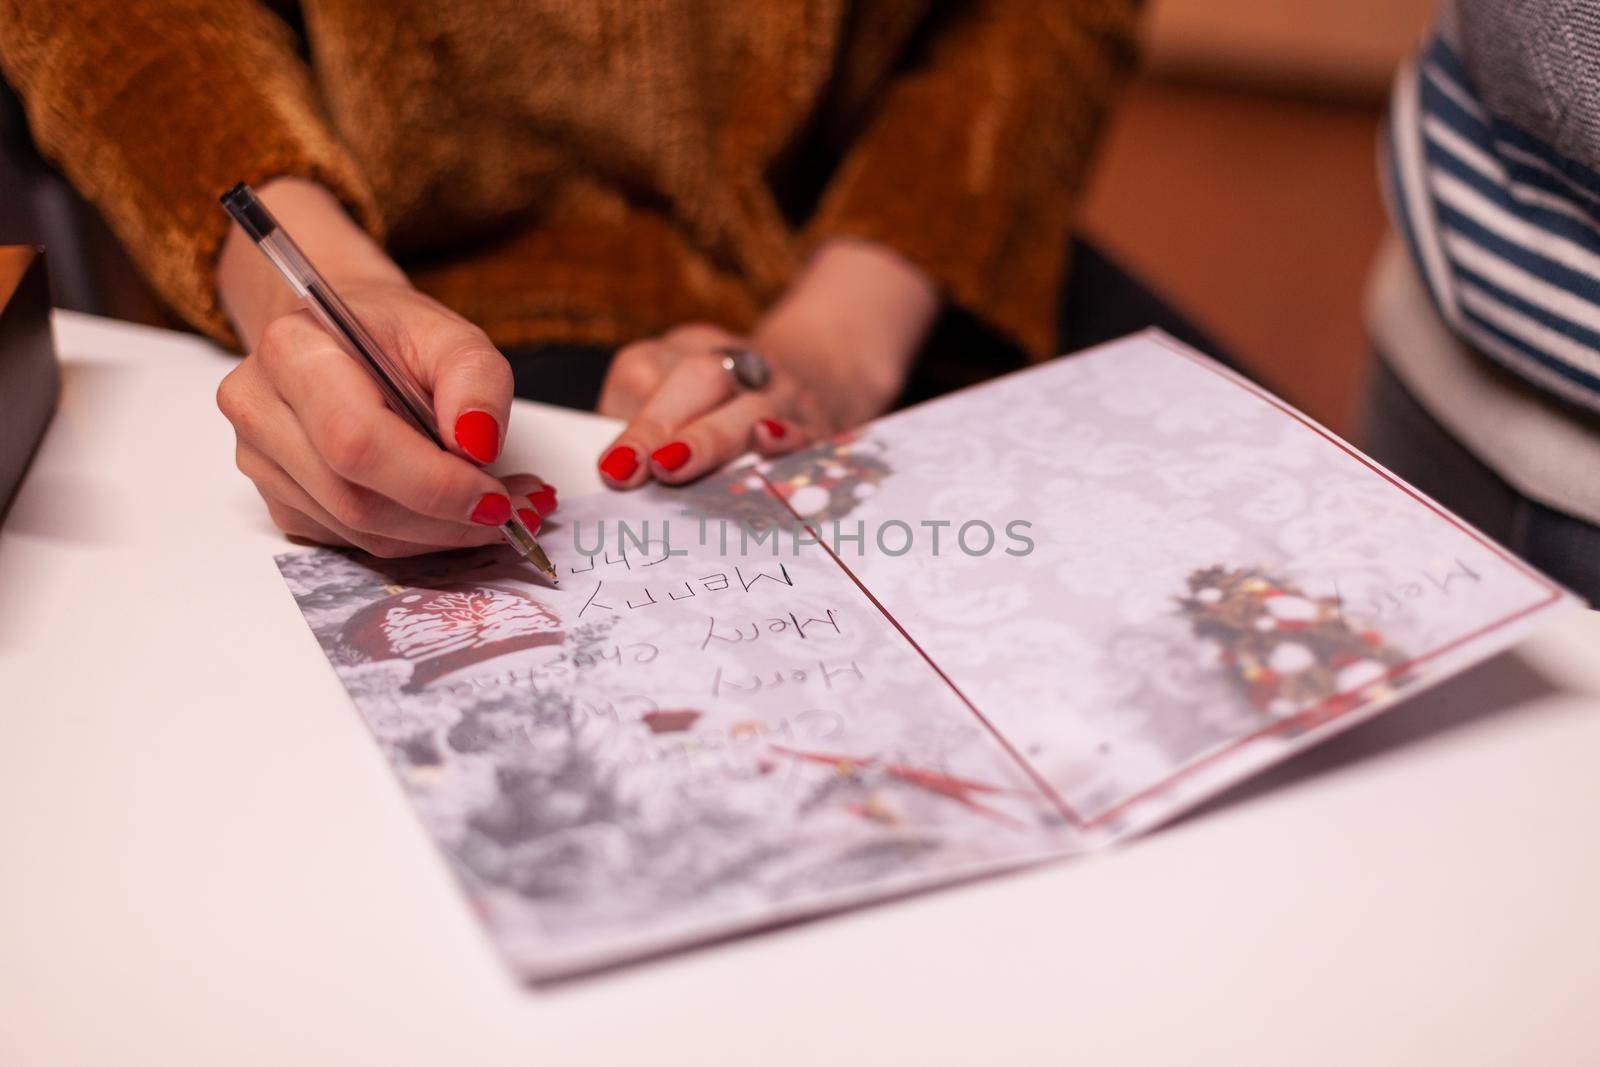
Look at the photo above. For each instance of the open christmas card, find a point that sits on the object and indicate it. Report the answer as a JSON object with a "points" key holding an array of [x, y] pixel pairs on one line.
{"points": [[1018, 622]]}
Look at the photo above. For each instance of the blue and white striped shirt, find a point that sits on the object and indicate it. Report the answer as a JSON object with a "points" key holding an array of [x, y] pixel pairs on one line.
{"points": [[1504, 228]]}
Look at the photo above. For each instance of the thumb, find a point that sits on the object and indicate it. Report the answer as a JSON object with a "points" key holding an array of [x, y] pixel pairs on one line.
{"points": [[472, 389]]}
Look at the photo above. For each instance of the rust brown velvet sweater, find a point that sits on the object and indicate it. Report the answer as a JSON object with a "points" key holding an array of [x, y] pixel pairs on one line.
{"points": [[591, 170]]}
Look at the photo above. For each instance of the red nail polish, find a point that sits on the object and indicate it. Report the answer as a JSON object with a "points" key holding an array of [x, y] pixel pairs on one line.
{"points": [[478, 435], [544, 501], [773, 427], [671, 455], [493, 510], [530, 519], [620, 463]]}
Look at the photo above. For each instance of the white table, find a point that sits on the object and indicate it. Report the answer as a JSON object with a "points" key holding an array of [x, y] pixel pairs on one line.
{"points": [[207, 861]]}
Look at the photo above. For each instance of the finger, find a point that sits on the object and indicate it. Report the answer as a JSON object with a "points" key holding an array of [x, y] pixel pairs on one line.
{"points": [[471, 385], [724, 434], [695, 386], [277, 456], [700, 337], [774, 437], [298, 525], [635, 372], [349, 427], [275, 453], [533, 498], [540, 493], [356, 515], [302, 527]]}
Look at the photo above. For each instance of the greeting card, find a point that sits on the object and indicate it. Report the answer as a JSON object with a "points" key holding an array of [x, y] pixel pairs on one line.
{"points": [[1019, 622]]}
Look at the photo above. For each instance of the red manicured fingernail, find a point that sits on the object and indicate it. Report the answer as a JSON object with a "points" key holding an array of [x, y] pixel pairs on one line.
{"points": [[773, 427], [620, 463], [671, 455], [493, 510], [544, 501], [478, 435], [530, 519]]}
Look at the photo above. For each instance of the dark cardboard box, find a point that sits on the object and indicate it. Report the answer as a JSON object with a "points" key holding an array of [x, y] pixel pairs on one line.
{"points": [[30, 378]]}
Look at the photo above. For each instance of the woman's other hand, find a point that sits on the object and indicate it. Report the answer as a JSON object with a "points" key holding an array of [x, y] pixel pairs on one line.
{"points": [[839, 344], [330, 459]]}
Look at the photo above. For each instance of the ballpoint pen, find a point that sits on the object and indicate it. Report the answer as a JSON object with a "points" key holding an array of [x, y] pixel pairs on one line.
{"points": [[399, 388]]}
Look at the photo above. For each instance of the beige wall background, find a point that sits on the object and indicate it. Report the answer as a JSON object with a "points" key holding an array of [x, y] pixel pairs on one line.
{"points": [[1239, 178], [1338, 47]]}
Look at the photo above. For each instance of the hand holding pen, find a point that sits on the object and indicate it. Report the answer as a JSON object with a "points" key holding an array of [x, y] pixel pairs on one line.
{"points": [[339, 409]]}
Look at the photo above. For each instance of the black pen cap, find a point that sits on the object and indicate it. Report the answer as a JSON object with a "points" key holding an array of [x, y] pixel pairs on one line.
{"points": [[248, 212]]}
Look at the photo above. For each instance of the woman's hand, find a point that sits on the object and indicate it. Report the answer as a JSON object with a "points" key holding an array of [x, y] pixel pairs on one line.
{"points": [[839, 344], [330, 459]]}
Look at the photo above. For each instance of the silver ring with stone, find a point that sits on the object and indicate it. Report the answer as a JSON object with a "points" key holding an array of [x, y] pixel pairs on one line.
{"points": [[747, 367]]}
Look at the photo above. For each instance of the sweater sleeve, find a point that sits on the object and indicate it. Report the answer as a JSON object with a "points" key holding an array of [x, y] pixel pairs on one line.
{"points": [[153, 108], [973, 158]]}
